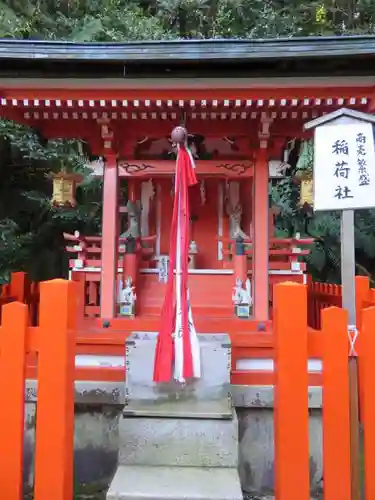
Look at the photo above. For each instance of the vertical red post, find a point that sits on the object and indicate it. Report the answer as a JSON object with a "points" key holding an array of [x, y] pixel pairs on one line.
{"points": [[79, 279], [17, 286], [134, 190], [130, 267], [246, 196], [362, 287], [291, 393], [240, 263], [367, 364], [12, 386], [336, 416], [362, 293], [261, 237], [131, 256], [108, 292], [54, 446]]}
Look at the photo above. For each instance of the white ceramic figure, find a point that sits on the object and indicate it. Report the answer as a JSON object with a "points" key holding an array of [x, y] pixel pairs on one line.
{"points": [[128, 295], [242, 296]]}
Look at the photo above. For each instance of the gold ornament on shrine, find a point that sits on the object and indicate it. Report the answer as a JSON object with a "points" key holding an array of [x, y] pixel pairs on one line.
{"points": [[64, 188]]}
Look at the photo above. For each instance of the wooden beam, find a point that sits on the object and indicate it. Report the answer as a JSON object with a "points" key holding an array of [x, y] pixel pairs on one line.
{"points": [[65, 93]]}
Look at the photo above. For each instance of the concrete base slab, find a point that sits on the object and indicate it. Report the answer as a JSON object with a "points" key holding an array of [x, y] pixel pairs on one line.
{"points": [[175, 483], [267, 497], [179, 442], [206, 397], [185, 409]]}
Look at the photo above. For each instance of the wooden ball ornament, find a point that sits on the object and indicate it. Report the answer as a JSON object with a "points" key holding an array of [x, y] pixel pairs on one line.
{"points": [[179, 135]]}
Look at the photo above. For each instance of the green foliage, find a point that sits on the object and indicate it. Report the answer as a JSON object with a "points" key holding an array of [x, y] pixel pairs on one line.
{"points": [[115, 20], [31, 230], [78, 20]]}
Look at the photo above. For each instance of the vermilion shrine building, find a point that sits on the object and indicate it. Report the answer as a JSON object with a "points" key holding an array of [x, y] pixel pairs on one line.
{"points": [[243, 103]]}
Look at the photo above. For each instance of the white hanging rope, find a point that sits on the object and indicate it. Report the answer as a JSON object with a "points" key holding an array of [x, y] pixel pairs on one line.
{"points": [[178, 333], [178, 340], [352, 336]]}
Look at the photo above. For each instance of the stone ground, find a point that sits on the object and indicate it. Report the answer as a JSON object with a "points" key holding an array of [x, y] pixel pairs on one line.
{"points": [[101, 496], [79, 496], [248, 496]]}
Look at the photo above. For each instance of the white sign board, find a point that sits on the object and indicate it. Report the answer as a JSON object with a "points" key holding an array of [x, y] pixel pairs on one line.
{"points": [[344, 167]]}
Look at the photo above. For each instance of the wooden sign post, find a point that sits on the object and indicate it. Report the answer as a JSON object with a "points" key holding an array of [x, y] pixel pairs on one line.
{"points": [[344, 180]]}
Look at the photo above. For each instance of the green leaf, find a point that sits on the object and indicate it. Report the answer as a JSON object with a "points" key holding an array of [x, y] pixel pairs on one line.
{"points": [[317, 257], [87, 31]]}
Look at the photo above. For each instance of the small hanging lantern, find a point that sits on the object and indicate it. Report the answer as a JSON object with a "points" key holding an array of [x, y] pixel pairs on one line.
{"points": [[64, 189], [304, 175], [306, 192]]}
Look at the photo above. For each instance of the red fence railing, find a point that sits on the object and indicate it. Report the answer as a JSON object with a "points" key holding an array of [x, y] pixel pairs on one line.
{"points": [[53, 342], [292, 352], [21, 289], [320, 296], [294, 344], [323, 295]]}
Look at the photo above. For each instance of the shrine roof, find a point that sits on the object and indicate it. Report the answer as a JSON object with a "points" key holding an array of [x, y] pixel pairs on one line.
{"points": [[260, 56], [190, 50], [154, 82]]}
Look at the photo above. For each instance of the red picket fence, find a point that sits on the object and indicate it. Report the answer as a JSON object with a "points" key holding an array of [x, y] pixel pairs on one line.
{"points": [[295, 343], [21, 289], [53, 340], [323, 295], [320, 296]]}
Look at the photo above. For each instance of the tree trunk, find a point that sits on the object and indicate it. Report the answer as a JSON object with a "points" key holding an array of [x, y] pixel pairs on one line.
{"points": [[209, 23], [182, 22]]}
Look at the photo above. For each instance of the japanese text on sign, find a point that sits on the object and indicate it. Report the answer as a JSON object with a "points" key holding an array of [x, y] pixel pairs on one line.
{"points": [[344, 167]]}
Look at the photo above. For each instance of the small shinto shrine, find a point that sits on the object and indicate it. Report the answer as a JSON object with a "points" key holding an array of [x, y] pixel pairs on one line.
{"points": [[244, 116], [188, 138]]}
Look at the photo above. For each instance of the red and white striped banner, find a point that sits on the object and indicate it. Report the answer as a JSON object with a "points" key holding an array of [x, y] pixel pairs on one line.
{"points": [[177, 351]]}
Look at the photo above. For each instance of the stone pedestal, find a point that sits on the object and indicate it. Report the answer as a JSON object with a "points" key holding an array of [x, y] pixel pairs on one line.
{"points": [[207, 397], [177, 441]]}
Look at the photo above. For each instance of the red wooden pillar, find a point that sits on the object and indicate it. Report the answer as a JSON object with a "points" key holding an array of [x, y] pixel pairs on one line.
{"points": [[367, 364], [109, 239], [246, 190], [260, 237], [134, 190], [17, 286], [55, 437], [240, 263], [132, 258], [336, 415], [362, 288], [130, 269], [291, 417]]}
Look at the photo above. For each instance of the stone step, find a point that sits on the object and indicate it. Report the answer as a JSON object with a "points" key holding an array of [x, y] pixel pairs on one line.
{"points": [[174, 483], [176, 441]]}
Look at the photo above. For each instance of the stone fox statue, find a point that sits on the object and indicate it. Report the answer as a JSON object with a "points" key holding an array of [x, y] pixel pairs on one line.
{"points": [[133, 210], [235, 215], [241, 295]]}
